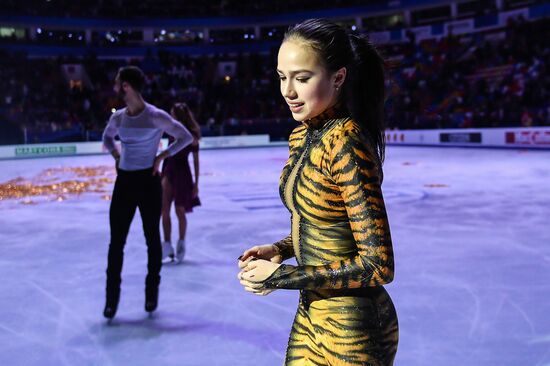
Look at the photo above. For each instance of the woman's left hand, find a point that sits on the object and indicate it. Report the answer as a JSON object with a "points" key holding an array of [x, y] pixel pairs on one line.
{"points": [[257, 271]]}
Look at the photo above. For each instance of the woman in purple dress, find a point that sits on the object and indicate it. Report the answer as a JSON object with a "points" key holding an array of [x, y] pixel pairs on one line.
{"points": [[178, 185]]}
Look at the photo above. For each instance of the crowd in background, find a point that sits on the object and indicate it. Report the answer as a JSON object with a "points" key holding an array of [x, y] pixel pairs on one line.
{"points": [[481, 80], [167, 8], [475, 80], [205, 8]]}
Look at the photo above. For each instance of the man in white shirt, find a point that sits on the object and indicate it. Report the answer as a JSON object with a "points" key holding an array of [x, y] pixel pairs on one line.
{"points": [[139, 127]]}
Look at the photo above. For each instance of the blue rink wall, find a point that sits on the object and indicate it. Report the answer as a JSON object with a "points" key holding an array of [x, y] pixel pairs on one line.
{"points": [[524, 138]]}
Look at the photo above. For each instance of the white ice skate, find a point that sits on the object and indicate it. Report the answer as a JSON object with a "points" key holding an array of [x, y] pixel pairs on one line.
{"points": [[180, 250], [167, 250]]}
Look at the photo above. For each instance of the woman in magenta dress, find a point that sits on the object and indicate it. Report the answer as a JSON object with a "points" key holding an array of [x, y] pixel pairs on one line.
{"points": [[178, 185]]}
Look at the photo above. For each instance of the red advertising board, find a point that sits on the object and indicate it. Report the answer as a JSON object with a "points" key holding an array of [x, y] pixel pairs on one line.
{"points": [[533, 138]]}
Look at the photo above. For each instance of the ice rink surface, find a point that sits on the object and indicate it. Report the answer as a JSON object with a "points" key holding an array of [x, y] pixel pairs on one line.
{"points": [[471, 234]]}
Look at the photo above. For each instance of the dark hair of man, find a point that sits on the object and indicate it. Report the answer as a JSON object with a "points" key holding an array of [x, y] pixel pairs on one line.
{"points": [[133, 76]]}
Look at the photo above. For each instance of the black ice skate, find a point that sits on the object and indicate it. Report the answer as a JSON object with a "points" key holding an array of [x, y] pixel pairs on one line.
{"points": [[151, 294], [111, 304]]}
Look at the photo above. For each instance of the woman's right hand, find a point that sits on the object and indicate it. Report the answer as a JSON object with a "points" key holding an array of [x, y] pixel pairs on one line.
{"points": [[268, 252]]}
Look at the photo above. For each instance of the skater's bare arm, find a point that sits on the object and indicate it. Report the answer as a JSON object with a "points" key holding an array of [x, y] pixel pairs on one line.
{"points": [[158, 160], [196, 167]]}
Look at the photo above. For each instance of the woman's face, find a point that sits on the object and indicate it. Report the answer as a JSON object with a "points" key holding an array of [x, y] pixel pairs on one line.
{"points": [[306, 84]]}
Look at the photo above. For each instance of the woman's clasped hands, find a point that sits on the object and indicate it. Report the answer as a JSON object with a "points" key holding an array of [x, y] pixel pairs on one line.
{"points": [[256, 265]]}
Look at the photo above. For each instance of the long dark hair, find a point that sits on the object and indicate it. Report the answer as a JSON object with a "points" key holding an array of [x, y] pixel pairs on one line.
{"points": [[185, 117], [363, 90]]}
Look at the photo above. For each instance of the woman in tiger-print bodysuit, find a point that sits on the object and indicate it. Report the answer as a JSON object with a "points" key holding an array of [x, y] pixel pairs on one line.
{"points": [[334, 84]]}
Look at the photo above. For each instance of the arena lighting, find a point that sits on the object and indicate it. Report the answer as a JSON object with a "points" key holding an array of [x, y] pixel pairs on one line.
{"points": [[39, 30], [163, 32], [246, 36]]}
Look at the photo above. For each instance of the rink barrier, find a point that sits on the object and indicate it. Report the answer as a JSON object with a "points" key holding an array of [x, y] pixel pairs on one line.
{"points": [[96, 147], [524, 138]]}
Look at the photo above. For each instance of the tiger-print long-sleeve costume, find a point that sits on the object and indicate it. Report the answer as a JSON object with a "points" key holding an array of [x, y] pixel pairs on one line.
{"points": [[341, 240]]}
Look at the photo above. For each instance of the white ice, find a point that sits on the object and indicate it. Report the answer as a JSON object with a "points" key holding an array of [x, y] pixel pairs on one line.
{"points": [[471, 234]]}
